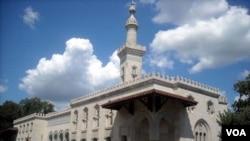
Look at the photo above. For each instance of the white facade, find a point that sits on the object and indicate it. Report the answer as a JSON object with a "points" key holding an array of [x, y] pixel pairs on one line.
{"points": [[151, 107]]}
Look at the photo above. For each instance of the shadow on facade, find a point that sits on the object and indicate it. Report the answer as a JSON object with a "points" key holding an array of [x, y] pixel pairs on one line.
{"points": [[171, 123]]}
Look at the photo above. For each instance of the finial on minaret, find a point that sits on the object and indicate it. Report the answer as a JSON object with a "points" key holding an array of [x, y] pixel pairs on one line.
{"points": [[132, 8]]}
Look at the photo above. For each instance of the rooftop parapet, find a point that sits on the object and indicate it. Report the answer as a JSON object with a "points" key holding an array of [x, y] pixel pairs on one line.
{"points": [[60, 113], [41, 116], [223, 99], [29, 117], [157, 76]]}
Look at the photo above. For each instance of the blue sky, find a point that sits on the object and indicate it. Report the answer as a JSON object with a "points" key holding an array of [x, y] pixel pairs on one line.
{"points": [[59, 50]]}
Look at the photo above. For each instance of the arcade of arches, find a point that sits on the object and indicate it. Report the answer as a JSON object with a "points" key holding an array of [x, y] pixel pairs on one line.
{"points": [[149, 128], [163, 129]]}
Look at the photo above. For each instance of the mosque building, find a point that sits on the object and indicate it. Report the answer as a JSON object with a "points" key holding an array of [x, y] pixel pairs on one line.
{"points": [[152, 107]]}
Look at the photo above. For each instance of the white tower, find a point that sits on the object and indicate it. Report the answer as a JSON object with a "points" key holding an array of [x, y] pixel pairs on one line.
{"points": [[131, 53]]}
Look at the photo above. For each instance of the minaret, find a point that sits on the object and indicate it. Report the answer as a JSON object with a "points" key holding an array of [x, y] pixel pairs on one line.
{"points": [[131, 53], [131, 26]]}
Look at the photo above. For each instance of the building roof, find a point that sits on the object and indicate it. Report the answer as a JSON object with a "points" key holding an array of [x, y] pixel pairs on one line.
{"points": [[154, 78], [148, 98]]}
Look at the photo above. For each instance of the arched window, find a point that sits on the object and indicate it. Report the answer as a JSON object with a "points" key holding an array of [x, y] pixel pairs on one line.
{"points": [[122, 73], [75, 116], [210, 107], [20, 129], [50, 136], [67, 135], [202, 131], [31, 126], [96, 116], [85, 118], [109, 118], [27, 127], [23, 128], [75, 119], [55, 135], [61, 135], [134, 72]]}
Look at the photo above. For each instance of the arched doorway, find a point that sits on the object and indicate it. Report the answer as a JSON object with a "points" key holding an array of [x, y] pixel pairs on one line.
{"points": [[164, 130], [142, 126], [164, 126], [143, 130]]}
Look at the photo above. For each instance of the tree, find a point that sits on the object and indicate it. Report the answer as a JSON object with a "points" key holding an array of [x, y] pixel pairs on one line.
{"points": [[241, 107], [242, 87], [9, 111], [35, 105], [226, 118]]}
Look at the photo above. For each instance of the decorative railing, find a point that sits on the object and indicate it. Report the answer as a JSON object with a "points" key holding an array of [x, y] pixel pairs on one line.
{"points": [[31, 116], [53, 114], [41, 116], [158, 76]]}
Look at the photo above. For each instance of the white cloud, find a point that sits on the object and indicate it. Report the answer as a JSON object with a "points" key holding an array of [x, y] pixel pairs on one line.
{"points": [[61, 105], [208, 43], [2, 88], [75, 72], [187, 11], [147, 1], [244, 97], [161, 61], [245, 73], [30, 17]]}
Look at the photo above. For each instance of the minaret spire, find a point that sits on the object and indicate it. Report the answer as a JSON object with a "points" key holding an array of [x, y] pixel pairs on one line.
{"points": [[131, 25], [131, 53], [132, 2]]}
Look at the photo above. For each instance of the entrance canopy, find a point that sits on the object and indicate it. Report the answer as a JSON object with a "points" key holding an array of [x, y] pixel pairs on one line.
{"points": [[152, 99]]}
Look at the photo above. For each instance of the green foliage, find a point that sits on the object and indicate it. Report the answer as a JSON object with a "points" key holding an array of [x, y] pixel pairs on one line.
{"points": [[35, 105], [10, 110], [244, 115], [226, 118], [243, 88], [241, 107]]}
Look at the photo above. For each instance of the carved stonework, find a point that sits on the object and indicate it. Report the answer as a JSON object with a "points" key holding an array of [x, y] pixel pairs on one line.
{"points": [[210, 108]]}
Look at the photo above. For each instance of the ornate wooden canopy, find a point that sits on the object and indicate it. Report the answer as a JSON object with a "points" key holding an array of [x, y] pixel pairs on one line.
{"points": [[152, 99]]}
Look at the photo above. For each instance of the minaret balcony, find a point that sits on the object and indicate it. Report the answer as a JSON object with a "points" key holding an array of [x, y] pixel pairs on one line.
{"points": [[137, 51]]}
